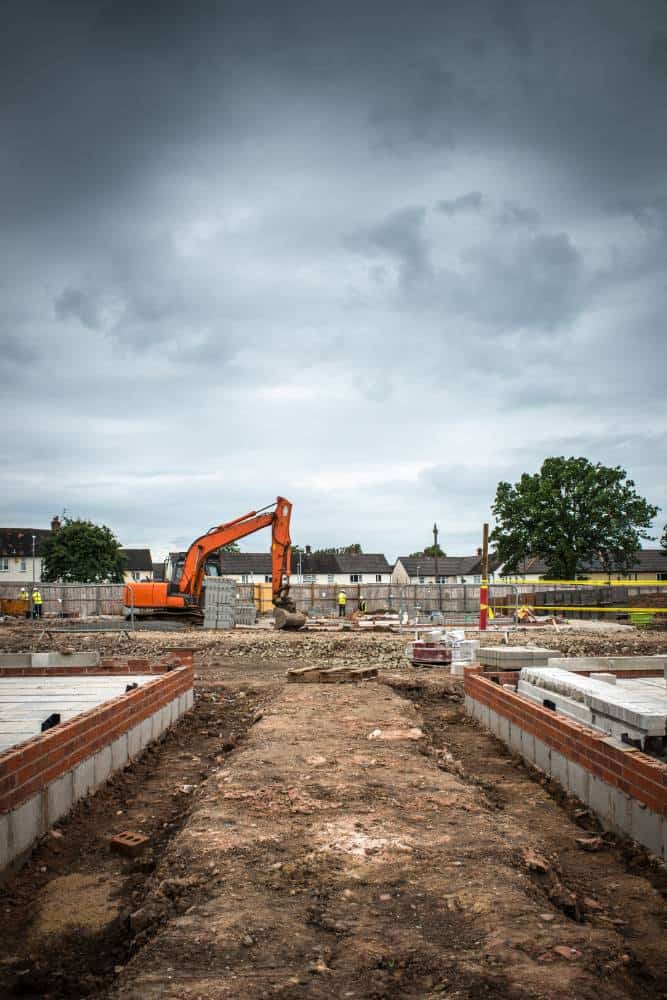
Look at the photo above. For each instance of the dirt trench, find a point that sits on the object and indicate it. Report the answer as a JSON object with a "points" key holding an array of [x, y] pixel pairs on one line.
{"points": [[66, 928]]}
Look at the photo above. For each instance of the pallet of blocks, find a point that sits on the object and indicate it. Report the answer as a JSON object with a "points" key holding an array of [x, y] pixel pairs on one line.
{"points": [[220, 603]]}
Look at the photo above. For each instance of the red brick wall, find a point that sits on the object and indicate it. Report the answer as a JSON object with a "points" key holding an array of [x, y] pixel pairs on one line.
{"points": [[633, 772], [109, 665], [30, 767]]}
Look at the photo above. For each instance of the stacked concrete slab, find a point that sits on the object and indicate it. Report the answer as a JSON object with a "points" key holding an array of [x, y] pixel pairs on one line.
{"points": [[635, 709], [513, 657], [220, 606], [246, 614]]}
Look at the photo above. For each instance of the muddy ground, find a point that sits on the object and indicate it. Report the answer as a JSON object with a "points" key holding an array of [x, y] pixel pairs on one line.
{"points": [[363, 841]]}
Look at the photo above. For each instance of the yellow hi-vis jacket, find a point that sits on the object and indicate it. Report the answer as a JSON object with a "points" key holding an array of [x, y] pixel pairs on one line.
{"points": [[23, 594], [342, 599], [36, 597]]}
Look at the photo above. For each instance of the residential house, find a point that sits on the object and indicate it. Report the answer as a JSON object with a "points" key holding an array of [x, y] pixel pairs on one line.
{"points": [[650, 564], [138, 565], [308, 567], [444, 569], [158, 572], [17, 564]]}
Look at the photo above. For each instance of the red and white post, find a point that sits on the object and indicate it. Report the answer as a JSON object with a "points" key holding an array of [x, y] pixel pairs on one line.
{"points": [[484, 588]]}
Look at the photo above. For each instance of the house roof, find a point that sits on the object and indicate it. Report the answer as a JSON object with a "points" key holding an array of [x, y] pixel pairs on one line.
{"points": [[445, 565], [646, 561], [311, 563], [366, 562], [17, 542], [138, 560]]}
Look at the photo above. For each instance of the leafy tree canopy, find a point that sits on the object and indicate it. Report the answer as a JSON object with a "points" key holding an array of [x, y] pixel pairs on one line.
{"points": [[434, 551], [570, 513], [663, 540], [82, 552]]}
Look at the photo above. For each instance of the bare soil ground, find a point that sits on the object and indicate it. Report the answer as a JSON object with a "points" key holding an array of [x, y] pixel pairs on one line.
{"points": [[292, 855]]}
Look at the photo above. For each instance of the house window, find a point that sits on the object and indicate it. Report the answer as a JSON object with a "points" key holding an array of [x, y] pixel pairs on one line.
{"points": [[244, 578], [268, 578], [662, 576], [136, 575], [330, 578], [378, 577], [476, 579], [4, 564], [421, 579], [309, 578], [23, 567], [441, 579], [355, 577]]}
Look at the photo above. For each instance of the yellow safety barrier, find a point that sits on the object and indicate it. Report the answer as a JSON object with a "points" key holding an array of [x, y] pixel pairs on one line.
{"points": [[583, 583], [580, 607]]}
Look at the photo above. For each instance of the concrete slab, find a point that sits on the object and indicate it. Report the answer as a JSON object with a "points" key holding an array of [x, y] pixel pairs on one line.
{"points": [[26, 702]]}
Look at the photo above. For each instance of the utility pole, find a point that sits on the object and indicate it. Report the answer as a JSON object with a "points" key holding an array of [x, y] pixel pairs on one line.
{"points": [[484, 589], [32, 595], [435, 565]]}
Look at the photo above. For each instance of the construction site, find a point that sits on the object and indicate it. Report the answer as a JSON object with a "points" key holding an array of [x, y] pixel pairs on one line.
{"points": [[370, 808]]}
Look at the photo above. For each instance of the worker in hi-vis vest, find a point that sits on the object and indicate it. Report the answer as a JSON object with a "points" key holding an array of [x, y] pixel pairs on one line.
{"points": [[25, 596], [342, 601], [37, 602]]}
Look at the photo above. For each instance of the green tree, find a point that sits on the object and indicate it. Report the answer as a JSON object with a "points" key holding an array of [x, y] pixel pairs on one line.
{"points": [[434, 551], [82, 552], [570, 513], [663, 540]]}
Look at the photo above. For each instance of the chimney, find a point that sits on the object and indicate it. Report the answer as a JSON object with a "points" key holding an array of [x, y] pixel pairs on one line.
{"points": [[307, 550], [55, 523], [479, 553]]}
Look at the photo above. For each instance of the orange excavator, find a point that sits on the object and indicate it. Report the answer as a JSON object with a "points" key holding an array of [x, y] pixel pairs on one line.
{"points": [[181, 595]]}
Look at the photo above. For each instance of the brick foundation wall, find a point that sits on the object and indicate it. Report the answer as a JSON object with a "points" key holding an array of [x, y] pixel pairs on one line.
{"points": [[108, 665], [31, 767], [625, 769]]}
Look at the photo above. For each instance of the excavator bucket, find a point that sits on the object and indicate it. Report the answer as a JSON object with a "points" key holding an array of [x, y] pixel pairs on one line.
{"points": [[291, 620]]}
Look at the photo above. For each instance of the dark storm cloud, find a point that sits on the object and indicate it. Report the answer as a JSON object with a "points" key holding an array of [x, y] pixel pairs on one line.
{"points": [[471, 202], [225, 220]]}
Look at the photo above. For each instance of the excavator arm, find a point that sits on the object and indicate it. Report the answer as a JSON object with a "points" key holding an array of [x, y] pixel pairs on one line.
{"points": [[194, 567]]}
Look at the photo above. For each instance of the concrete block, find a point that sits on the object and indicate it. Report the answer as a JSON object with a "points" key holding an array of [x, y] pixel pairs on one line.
{"points": [[621, 806], [484, 715], [528, 746], [5, 856], [25, 825], [156, 725], [102, 765], [542, 756], [599, 798], [647, 827], [578, 779], [189, 698], [119, 752], [467, 701], [504, 727], [134, 741], [84, 778], [145, 732], [59, 798], [494, 722], [515, 738], [15, 659], [165, 718], [559, 768]]}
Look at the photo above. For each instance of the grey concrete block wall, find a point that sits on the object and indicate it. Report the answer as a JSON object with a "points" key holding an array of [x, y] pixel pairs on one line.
{"points": [[21, 827], [617, 811]]}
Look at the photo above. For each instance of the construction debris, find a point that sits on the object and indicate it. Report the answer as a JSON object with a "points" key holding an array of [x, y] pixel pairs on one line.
{"points": [[330, 675]]}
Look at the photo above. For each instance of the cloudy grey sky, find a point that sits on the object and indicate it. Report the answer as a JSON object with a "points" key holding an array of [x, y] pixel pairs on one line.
{"points": [[371, 255]]}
